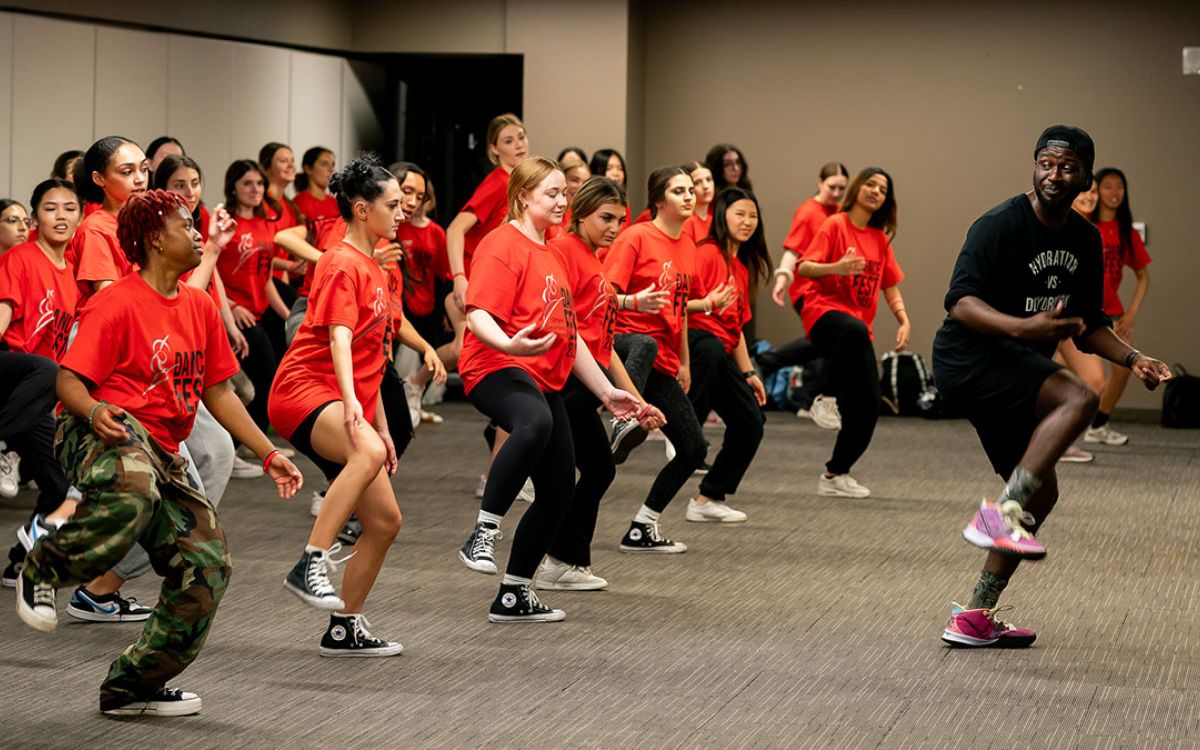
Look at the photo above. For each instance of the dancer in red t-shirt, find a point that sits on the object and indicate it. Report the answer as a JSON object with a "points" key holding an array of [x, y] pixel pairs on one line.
{"points": [[699, 223], [520, 349], [326, 400], [575, 170], [851, 260], [149, 349], [313, 200]]}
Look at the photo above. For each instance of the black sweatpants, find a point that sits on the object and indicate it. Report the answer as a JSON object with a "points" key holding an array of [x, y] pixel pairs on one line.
{"points": [[539, 447], [273, 324], [718, 385], [259, 365], [853, 380], [682, 430], [593, 458]]}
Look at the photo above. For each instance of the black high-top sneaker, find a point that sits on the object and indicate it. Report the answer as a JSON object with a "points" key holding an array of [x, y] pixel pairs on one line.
{"points": [[347, 635], [479, 551], [645, 537], [164, 702], [309, 580], [518, 603]]}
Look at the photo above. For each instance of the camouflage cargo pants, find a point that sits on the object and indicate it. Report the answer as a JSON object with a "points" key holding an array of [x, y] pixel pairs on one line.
{"points": [[137, 492]]}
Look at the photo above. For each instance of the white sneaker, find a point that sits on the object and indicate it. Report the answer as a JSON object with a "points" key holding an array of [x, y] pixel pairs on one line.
{"points": [[479, 488], [713, 512], [842, 485], [1076, 455], [428, 417], [824, 413], [412, 394], [526, 492], [243, 469], [556, 575], [10, 473], [317, 500], [1105, 435], [670, 450]]}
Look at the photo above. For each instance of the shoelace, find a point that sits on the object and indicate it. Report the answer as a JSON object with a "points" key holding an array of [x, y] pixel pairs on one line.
{"points": [[485, 542], [317, 575], [361, 633], [43, 595], [655, 535], [1000, 624], [532, 599], [1014, 516]]}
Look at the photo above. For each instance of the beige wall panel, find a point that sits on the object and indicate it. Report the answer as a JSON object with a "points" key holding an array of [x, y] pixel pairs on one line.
{"points": [[316, 102], [131, 84], [470, 26], [199, 98], [260, 98], [6, 102]]}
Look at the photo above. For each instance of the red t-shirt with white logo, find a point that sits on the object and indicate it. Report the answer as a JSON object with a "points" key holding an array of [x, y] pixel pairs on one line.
{"points": [[1115, 260], [245, 263], [424, 254], [643, 255], [712, 270], [95, 253], [489, 203], [805, 222], [348, 289], [519, 282], [314, 209], [856, 295], [43, 297], [150, 355], [594, 298]]}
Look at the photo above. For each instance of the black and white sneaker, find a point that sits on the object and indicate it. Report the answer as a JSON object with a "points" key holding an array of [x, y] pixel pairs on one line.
{"points": [[347, 635], [12, 572], [645, 537], [309, 580], [627, 434], [518, 603], [36, 605], [703, 468], [350, 532], [85, 605], [165, 702], [479, 551]]}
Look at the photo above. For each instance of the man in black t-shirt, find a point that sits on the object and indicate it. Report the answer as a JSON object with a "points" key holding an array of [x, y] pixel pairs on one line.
{"points": [[1029, 275]]}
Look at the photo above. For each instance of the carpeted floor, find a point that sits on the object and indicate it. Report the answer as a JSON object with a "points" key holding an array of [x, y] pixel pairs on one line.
{"points": [[815, 624]]}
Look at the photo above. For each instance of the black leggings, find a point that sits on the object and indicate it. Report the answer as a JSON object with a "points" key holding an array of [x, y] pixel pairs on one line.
{"points": [[637, 352], [682, 430], [593, 458], [717, 385], [539, 447], [853, 380], [259, 365]]}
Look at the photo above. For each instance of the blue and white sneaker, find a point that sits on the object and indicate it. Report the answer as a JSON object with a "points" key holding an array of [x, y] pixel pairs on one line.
{"points": [[36, 529], [91, 607]]}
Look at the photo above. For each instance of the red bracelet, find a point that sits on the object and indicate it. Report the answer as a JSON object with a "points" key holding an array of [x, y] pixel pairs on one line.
{"points": [[635, 303], [269, 458]]}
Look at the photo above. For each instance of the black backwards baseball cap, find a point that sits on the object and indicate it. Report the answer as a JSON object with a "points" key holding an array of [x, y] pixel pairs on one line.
{"points": [[1066, 136]]}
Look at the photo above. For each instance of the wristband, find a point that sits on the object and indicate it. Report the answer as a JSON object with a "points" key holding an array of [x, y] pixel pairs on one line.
{"points": [[460, 273], [270, 457], [1132, 355], [749, 374], [784, 272], [635, 303], [92, 415]]}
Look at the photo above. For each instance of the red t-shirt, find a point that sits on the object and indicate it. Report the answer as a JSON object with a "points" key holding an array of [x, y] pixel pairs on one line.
{"points": [[349, 290], [643, 255], [1115, 260], [856, 295], [150, 355], [711, 271], [95, 253], [424, 248], [805, 222], [43, 297], [285, 218], [489, 203], [697, 228], [313, 209], [520, 282], [594, 298], [245, 263], [643, 217]]}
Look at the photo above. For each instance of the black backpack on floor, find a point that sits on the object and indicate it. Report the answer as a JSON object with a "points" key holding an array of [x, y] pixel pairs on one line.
{"points": [[1181, 399], [907, 387]]}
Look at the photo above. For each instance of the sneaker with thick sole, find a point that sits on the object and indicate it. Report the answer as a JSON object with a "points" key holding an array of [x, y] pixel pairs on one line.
{"points": [[703, 468], [347, 636], [556, 575], [10, 473], [12, 572], [350, 532], [518, 603], [165, 702], [646, 537], [979, 628], [824, 413], [1075, 455], [309, 580], [713, 512], [89, 607], [243, 469], [998, 526], [841, 485], [1105, 436], [479, 551], [36, 605], [627, 434]]}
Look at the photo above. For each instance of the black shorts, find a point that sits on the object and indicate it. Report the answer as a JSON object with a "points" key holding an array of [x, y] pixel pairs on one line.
{"points": [[302, 440]]}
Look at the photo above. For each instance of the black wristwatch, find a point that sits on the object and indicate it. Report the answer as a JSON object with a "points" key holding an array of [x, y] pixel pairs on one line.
{"points": [[749, 374], [1132, 355]]}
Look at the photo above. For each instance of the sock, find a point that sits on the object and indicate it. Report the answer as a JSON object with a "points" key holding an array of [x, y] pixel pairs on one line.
{"points": [[645, 515], [1100, 419], [489, 518], [1021, 485], [511, 580], [315, 548], [987, 591]]}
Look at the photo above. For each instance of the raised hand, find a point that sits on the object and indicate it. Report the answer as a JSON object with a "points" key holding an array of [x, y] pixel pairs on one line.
{"points": [[1150, 371], [1050, 326]]}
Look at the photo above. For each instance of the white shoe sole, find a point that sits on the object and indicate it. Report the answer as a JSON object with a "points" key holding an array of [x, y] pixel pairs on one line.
{"points": [[678, 549], [325, 604], [341, 653], [1104, 441], [479, 567], [31, 617], [556, 586], [832, 492], [958, 639], [976, 537], [82, 614], [149, 708], [700, 518], [556, 616], [1076, 460]]}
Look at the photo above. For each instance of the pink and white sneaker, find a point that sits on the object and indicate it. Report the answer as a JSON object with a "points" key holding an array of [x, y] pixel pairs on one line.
{"points": [[998, 526], [979, 628]]}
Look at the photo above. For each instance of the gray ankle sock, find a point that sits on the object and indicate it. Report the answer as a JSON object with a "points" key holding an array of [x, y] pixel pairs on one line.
{"points": [[1021, 485], [987, 591]]}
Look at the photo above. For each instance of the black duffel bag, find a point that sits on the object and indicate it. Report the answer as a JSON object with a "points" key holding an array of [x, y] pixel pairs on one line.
{"points": [[1181, 399]]}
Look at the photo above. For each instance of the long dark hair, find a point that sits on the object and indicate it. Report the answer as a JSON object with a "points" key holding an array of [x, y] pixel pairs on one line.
{"points": [[715, 161], [1124, 212], [599, 163], [96, 159], [59, 170], [753, 252], [309, 160], [237, 171], [885, 217], [265, 155], [168, 167]]}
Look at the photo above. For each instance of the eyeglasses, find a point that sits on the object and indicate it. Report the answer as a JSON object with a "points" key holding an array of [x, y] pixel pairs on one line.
{"points": [[15, 220]]}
